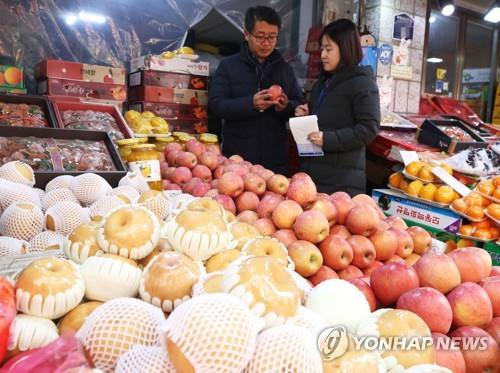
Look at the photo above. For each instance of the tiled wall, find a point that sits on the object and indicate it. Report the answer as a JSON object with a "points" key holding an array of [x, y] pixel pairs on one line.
{"points": [[379, 19]]}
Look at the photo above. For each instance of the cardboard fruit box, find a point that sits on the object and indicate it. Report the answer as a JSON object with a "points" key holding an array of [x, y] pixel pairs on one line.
{"points": [[79, 71], [171, 111], [39, 101], [176, 65], [449, 135], [11, 76], [87, 100], [168, 95], [78, 88], [167, 79], [48, 135], [189, 126]]}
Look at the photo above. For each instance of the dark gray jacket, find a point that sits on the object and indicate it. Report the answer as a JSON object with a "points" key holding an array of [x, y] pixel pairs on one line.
{"points": [[349, 116], [258, 137]]}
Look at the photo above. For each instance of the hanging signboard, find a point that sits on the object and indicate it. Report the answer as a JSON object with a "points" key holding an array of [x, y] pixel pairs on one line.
{"points": [[385, 54], [403, 27]]}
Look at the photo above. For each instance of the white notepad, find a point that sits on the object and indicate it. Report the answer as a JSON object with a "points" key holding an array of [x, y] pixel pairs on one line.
{"points": [[301, 127]]}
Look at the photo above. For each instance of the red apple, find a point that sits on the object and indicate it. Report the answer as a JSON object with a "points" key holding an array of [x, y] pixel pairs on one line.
{"points": [[265, 174], [256, 168], [248, 216], [391, 280], [340, 230], [195, 147], [214, 148], [268, 204], [226, 202], [405, 243], [395, 258], [362, 220], [323, 274], [254, 183], [322, 196], [473, 263], [363, 250], [237, 168], [171, 157], [306, 257], [412, 259], [492, 287], [173, 186], [471, 305], [300, 175], [164, 169], [367, 291], [382, 226], [364, 199], [214, 183], [230, 184], [446, 357], [181, 175], [368, 270], [351, 272], [396, 222], [438, 271], [219, 170], [275, 91], [200, 189], [285, 214], [327, 208], [247, 201], [494, 329], [236, 158], [278, 184], [430, 305], [265, 226], [478, 360], [188, 187], [303, 191], [171, 147], [337, 252], [169, 173], [422, 240], [343, 204], [385, 244], [495, 271], [312, 226], [186, 159], [165, 184], [208, 159], [285, 236], [203, 172], [212, 193]]}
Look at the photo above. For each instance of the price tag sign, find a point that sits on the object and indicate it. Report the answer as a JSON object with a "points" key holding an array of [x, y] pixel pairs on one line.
{"points": [[451, 181], [408, 156]]}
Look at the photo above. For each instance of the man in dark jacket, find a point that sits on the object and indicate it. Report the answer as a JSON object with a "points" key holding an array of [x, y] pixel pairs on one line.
{"points": [[254, 121]]}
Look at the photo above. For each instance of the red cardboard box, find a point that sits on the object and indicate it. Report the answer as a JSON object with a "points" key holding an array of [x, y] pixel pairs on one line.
{"points": [[171, 111], [78, 88], [79, 71], [168, 95], [189, 126], [313, 42], [87, 100], [166, 79]]}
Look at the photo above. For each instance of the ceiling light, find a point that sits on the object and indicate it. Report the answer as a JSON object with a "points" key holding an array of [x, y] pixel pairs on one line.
{"points": [[432, 19], [71, 19], [435, 60], [493, 14], [447, 7]]}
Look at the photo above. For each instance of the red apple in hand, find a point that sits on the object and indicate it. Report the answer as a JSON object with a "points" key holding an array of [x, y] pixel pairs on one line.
{"points": [[392, 280], [323, 274], [306, 257], [337, 253], [275, 91]]}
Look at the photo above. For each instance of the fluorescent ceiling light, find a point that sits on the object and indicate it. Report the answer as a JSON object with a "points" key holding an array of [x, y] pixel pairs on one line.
{"points": [[448, 10], [91, 17], [432, 19], [434, 60], [494, 14], [71, 19]]}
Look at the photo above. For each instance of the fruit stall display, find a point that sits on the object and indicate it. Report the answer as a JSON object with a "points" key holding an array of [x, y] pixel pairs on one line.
{"points": [[131, 279]]}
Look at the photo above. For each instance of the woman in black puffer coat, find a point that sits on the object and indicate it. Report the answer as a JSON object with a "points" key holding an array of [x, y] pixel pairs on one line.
{"points": [[346, 101]]}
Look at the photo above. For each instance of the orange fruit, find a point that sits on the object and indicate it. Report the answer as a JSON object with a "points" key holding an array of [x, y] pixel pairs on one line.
{"points": [[2, 79], [395, 179], [496, 181], [414, 188], [13, 75], [450, 246], [474, 199], [466, 230], [426, 174], [447, 168], [475, 212], [403, 185], [495, 232], [494, 210], [482, 233], [496, 193], [485, 224], [413, 168], [486, 202], [486, 187], [444, 194], [464, 242], [460, 205], [428, 192]]}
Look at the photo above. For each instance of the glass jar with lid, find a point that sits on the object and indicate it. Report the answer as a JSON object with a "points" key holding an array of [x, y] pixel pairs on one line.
{"points": [[162, 142], [146, 159], [125, 146], [209, 139]]}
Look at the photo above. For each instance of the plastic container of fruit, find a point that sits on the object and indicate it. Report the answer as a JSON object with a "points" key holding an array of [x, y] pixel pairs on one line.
{"points": [[418, 199], [467, 216], [491, 198], [496, 221], [473, 238], [396, 189], [436, 180]]}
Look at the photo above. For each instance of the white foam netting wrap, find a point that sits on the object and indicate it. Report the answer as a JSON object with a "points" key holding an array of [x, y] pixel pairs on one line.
{"points": [[103, 206], [214, 332], [114, 327], [63, 181], [41, 193], [46, 240], [12, 246], [158, 205], [11, 192], [21, 220], [127, 191], [136, 180], [58, 195], [18, 172], [286, 348], [28, 332], [88, 188], [65, 216], [141, 359]]}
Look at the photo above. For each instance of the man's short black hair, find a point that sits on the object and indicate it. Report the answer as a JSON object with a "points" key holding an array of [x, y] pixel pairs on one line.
{"points": [[261, 13]]}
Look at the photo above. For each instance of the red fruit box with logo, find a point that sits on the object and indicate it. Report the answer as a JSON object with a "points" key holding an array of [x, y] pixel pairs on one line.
{"points": [[78, 88], [176, 65], [166, 79], [168, 95], [79, 71], [403, 140], [189, 126], [88, 100], [172, 111]]}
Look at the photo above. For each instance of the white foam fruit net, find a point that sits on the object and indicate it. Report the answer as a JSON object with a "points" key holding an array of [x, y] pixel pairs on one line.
{"points": [[214, 332], [21, 220], [142, 359], [66, 216], [41, 193], [28, 332], [136, 180], [302, 284], [18, 172], [88, 188], [11, 192], [114, 327], [308, 319], [127, 191], [158, 205], [179, 201], [46, 240], [105, 205], [286, 348], [63, 181], [11, 246], [56, 196]]}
